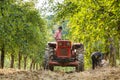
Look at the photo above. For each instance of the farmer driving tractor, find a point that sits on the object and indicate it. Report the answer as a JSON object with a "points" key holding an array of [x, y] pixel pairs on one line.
{"points": [[61, 53], [58, 34]]}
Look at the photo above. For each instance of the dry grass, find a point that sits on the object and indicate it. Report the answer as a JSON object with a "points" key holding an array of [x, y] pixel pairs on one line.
{"points": [[106, 73]]}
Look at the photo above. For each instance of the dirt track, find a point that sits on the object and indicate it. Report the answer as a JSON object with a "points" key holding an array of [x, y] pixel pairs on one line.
{"points": [[98, 74]]}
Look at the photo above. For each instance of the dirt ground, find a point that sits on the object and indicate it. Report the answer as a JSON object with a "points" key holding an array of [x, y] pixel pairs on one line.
{"points": [[107, 73]]}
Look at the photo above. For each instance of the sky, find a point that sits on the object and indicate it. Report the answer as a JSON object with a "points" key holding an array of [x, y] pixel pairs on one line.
{"points": [[42, 3]]}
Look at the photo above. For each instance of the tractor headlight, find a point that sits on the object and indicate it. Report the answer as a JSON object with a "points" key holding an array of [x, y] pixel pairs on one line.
{"points": [[68, 44], [60, 44]]}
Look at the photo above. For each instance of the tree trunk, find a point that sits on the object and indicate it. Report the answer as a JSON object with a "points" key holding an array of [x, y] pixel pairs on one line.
{"points": [[31, 64], [25, 61], [36, 66], [12, 61], [2, 57], [39, 66], [19, 60], [119, 50], [112, 54]]}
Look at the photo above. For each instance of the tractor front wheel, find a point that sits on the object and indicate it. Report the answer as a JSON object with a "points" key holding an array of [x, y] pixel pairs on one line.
{"points": [[51, 68], [80, 66]]}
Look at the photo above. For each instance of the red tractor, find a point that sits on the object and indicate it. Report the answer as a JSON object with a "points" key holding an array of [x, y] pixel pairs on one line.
{"points": [[64, 53]]}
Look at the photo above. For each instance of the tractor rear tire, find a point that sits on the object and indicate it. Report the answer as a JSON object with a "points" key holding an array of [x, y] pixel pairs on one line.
{"points": [[46, 60], [80, 66], [46, 65]]}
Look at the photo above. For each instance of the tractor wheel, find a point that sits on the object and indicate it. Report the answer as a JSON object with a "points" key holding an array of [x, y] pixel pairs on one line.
{"points": [[46, 65], [46, 60], [51, 68], [80, 66]]}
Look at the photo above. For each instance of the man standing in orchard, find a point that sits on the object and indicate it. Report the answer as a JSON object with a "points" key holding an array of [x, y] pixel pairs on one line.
{"points": [[58, 34]]}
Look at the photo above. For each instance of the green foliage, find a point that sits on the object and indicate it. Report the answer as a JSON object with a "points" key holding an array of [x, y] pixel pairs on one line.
{"points": [[22, 29], [91, 22]]}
